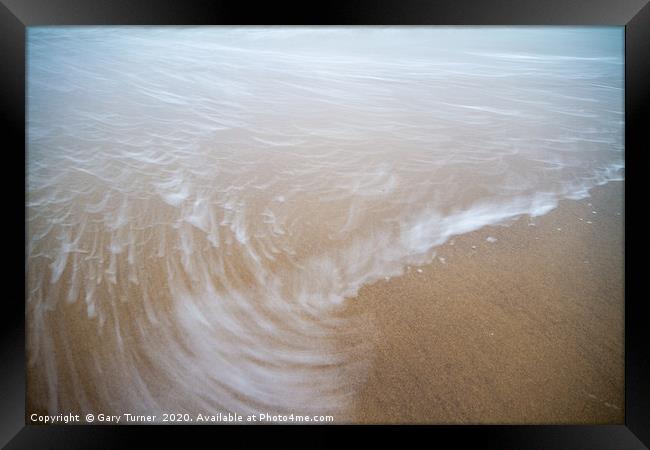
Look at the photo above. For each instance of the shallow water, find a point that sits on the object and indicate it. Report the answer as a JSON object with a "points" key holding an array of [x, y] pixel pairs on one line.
{"points": [[202, 201]]}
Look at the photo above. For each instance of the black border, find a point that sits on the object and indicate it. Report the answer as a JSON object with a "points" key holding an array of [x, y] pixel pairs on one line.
{"points": [[15, 15]]}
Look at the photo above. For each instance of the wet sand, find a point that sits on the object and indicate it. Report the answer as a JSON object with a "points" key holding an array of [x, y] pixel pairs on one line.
{"points": [[509, 324], [525, 329], [197, 240]]}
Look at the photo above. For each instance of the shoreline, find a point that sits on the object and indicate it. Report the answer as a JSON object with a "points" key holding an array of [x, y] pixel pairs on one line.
{"points": [[508, 324]]}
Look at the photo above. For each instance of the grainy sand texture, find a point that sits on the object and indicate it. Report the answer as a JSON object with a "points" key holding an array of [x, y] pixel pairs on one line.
{"points": [[516, 324], [377, 224]]}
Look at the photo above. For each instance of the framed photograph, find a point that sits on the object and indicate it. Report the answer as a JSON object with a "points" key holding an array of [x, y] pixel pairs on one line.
{"points": [[383, 214]]}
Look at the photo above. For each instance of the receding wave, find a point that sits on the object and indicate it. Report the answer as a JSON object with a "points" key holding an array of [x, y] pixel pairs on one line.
{"points": [[202, 202]]}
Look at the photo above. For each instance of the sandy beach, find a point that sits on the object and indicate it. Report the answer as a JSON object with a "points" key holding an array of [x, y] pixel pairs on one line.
{"points": [[310, 221], [525, 329], [509, 324]]}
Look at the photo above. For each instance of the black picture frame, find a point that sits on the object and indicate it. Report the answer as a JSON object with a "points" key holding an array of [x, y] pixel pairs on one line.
{"points": [[16, 15]]}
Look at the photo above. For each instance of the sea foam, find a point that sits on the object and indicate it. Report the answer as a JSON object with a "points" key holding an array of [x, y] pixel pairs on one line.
{"points": [[203, 203]]}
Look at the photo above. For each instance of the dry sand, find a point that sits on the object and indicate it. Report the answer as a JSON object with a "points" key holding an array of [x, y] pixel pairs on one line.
{"points": [[525, 329]]}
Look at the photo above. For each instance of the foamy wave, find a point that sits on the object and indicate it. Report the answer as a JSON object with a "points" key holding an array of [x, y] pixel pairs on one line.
{"points": [[196, 223]]}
